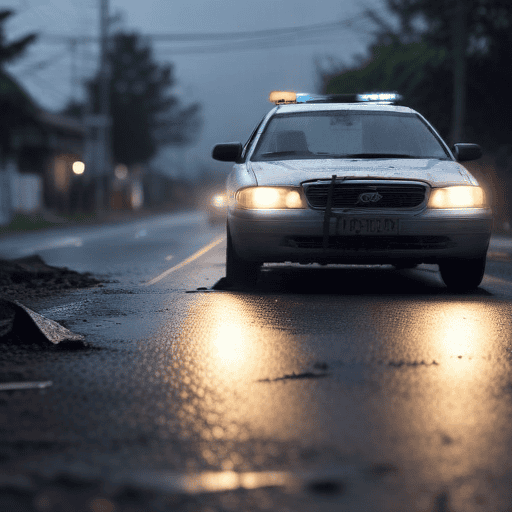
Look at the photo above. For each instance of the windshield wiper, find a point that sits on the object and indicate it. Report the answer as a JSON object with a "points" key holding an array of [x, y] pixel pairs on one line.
{"points": [[378, 155], [308, 154], [366, 155], [286, 153]]}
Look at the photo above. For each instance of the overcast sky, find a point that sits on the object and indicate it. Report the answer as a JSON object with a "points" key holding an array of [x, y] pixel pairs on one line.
{"points": [[231, 80]]}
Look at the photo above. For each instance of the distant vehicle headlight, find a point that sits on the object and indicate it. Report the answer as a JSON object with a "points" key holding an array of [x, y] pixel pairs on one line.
{"points": [[457, 197], [270, 198], [219, 201]]}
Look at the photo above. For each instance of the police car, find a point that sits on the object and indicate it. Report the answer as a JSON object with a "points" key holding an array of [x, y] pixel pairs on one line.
{"points": [[353, 179]]}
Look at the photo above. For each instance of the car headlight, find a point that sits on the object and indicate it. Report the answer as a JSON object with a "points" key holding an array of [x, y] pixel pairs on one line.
{"points": [[457, 197], [270, 198]]}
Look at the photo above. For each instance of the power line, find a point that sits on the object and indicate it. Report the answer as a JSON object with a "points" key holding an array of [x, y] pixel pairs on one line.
{"points": [[39, 66], [284, 38], [256, 34], [225, 42], [248, 46], [224, 36]]}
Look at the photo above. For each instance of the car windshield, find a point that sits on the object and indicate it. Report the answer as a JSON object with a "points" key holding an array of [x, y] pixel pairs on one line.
{"points": [[347, 134]]}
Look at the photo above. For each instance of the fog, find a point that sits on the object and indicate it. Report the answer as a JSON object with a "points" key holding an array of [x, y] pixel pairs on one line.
{"points": [[230, 78]]}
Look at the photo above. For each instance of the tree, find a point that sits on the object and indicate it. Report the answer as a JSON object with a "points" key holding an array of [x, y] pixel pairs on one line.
{"points": [[408, 68], [477, 38], [488, 21], [16, 106], [145, 116], [12, 51], [417, 58]]}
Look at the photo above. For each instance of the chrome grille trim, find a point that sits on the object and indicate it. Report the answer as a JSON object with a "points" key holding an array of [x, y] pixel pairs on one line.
{"points": [[394, 194]]}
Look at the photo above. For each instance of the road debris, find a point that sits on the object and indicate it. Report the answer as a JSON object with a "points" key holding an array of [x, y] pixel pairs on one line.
{"points": [[29, 278], [27, 326], [297, 376]]}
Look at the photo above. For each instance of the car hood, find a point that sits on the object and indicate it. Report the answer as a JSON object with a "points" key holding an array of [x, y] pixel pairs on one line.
{"points": [[437, 173]]}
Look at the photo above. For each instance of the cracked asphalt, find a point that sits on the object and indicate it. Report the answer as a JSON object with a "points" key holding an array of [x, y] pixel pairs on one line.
{"points": [[324, 388]]}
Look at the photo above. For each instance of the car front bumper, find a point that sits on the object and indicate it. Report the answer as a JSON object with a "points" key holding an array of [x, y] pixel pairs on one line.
{"points": [[302, 236]]}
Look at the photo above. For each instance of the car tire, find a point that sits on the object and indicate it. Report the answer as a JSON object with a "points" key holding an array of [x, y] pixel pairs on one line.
{"points": [[239, 271], [462, 275]]}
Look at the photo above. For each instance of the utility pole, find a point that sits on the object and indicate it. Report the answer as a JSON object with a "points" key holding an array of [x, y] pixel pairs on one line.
{"points": [[459, 70], [104, 155], [73, 43]]}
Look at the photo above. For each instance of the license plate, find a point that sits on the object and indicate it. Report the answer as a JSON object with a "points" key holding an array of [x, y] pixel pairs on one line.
{"points": [[365, 226]]}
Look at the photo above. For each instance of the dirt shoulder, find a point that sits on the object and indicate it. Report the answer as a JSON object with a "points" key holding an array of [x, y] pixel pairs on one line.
{"points": [[30, 278]]}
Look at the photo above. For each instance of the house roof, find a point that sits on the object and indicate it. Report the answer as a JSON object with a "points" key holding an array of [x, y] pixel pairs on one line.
{"points": [[62, 123]]}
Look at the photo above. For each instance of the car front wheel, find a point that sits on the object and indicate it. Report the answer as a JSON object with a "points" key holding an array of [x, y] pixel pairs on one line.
{"points": [[462, 275], [238, 270]]}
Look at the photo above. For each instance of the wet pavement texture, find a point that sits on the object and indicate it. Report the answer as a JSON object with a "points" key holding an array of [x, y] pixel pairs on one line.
{"points": [[324, 388]]}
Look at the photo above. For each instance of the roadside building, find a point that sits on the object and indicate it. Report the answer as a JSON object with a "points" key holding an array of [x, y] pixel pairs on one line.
{"points": [[38, 150]]}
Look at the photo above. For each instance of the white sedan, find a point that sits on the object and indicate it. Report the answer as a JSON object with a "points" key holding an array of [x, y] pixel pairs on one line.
{"points": [[336, 180]]}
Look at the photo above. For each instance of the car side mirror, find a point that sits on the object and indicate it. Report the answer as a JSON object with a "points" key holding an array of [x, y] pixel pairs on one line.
{"points": [[227, 152], [464, 152]]}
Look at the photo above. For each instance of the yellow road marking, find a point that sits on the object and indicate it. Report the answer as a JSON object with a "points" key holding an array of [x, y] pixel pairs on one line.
{"points": [[194, 256], [498, 256]]}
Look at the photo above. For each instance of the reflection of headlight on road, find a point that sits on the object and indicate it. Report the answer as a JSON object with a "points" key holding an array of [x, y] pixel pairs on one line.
{"points": [[462, 331], [230, 345], [219, 201]]}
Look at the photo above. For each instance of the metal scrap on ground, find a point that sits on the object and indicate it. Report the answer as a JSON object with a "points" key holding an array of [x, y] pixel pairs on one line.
{"points": [[31, 327]]}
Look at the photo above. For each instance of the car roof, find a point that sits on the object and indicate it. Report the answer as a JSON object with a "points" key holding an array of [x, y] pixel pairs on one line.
{"points": [[315, 107]]}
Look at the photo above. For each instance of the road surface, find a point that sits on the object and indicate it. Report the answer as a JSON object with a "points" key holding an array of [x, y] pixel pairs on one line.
{"points": [[324, 388]]}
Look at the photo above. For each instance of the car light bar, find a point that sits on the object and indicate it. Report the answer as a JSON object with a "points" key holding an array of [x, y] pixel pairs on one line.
{"points": [[280, 97], [380, 97], [290, 97]]}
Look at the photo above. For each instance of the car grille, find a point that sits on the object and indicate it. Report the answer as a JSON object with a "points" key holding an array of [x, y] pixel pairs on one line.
{"points": [[363, 195], [375, 243]]}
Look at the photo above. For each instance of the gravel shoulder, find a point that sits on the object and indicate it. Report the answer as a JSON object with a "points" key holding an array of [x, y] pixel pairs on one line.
{"points": [[30, 278]]}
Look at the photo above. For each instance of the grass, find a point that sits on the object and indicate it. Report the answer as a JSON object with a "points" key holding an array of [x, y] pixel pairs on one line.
{"points": [[32, 222], [24, 222]]}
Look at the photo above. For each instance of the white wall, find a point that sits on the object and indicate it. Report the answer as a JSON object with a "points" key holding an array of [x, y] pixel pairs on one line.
{"points": [[6, 192], [27, 192], [18, 192]]}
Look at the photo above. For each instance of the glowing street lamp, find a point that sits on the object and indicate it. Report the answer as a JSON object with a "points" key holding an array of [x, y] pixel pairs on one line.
{"points": [[78, 167]]}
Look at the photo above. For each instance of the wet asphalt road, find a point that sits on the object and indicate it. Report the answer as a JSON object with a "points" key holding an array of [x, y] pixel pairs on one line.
{"points": [[325, 388]]}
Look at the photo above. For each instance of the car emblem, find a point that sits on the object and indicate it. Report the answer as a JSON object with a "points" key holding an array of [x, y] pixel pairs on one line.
{"points": [[369, 197]]}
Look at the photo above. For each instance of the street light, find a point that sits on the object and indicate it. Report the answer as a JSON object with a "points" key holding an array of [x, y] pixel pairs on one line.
{"points": [[78, 167]]}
